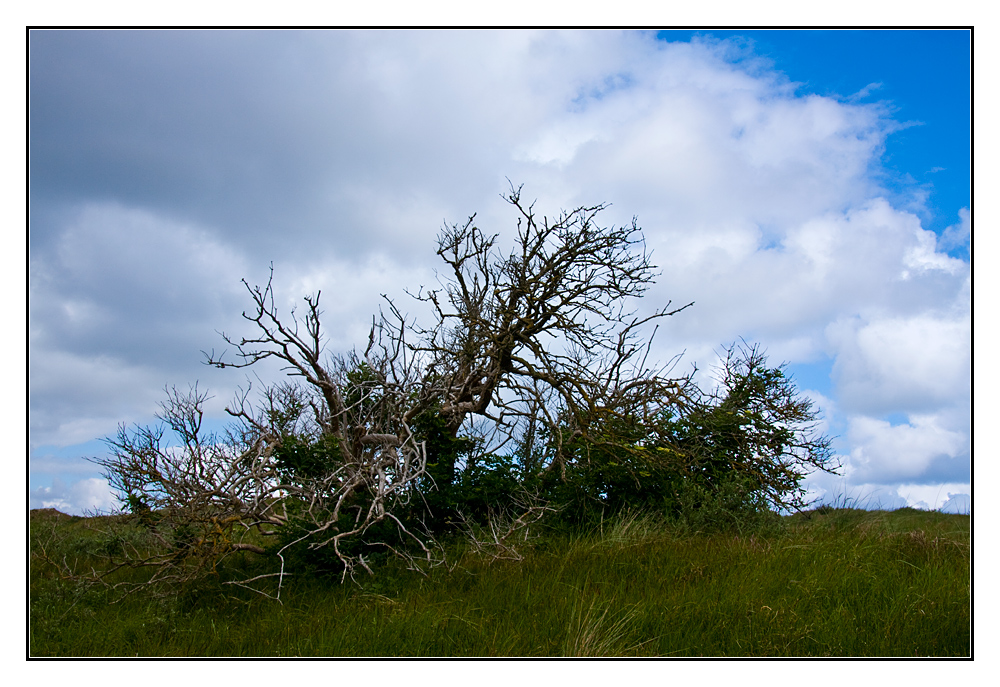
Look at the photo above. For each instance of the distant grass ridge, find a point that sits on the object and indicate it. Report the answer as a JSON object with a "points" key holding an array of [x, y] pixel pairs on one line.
{"points": [[831, 582]]}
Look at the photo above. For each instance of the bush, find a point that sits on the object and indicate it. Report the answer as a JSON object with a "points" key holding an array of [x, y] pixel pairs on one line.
{"points": [[735, 455], [539, 342]]}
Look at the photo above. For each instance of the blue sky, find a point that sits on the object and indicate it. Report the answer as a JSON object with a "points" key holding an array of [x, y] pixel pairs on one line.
{"points": [[809, 190], [923, 75]]}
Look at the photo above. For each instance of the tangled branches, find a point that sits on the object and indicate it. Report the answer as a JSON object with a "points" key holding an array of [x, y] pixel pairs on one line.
{"points": [[544, 329], [537, 343]]}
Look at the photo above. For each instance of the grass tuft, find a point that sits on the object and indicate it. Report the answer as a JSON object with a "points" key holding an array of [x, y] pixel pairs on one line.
{"points": [[830, 582]]}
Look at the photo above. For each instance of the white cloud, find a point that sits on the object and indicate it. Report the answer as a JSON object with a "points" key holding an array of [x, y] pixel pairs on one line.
{"points": [[924, 257], [337, 156], [135, 260], [78, 498], [902, 364], [77, 398], [120, 305], [351, 293], [712, 144], [841, 492], [866, 91], [883, 453], [957, 235], [948, 497], [825, 409], [957, 503]]}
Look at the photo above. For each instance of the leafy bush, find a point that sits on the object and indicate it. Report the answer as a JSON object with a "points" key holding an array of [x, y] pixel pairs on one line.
{"points": [[725, 459]]}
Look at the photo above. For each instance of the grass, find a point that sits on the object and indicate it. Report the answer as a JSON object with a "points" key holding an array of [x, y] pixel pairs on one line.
{"points": [[835, 582]]}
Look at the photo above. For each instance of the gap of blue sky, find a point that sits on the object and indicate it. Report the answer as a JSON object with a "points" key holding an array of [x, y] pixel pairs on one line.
{"points": [[925, 76]]}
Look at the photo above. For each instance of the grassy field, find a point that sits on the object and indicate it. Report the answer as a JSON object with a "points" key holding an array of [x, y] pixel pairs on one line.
{"points": [[836, 582]]}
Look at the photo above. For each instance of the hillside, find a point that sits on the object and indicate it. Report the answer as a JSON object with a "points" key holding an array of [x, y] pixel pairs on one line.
{"points": [[823, 583]]}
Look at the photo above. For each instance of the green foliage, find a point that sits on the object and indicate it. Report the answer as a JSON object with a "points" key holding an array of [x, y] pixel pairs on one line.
{"points": [[185, 535], [489, 484], [603, 480], [722, 460], [306, 458], [755, 433], [313, 555], [445, 489], [729, 505], [444, 449], [137, 506]]}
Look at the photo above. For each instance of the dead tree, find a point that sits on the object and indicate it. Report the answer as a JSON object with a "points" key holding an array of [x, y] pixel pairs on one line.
{"points": [[358, 408], [545, 328], [540, 335], [197, 497]]}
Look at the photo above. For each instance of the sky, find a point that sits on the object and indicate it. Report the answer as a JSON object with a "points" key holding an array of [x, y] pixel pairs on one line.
{"points": [[807, 190]]}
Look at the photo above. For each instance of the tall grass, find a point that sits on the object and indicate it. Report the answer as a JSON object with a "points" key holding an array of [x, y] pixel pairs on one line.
{"points": [[835, 582]]}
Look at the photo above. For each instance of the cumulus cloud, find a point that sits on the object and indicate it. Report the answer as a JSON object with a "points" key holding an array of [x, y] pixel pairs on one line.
{"points": [[78, 498], [884, 453], [957, 503], [108, 263], [77, 397], [946, 497], [842, 492], [168, 166], [957, 235], [121, 302], [902, 364]]}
